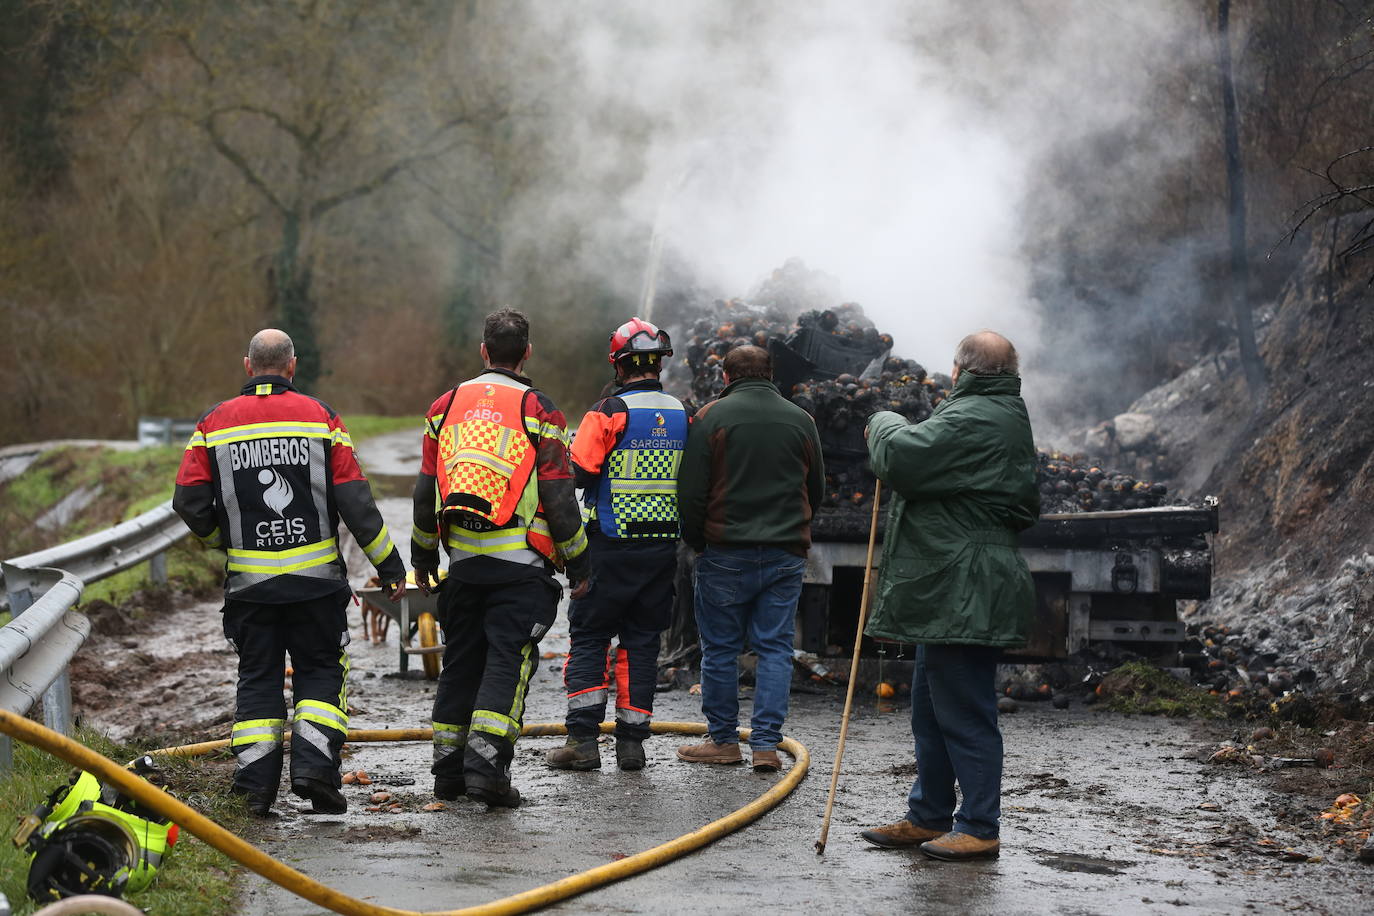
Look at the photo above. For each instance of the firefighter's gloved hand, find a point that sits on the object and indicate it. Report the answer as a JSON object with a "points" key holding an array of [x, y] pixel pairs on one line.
{"points": [[396, 590], [580, 589], [426, 579]]}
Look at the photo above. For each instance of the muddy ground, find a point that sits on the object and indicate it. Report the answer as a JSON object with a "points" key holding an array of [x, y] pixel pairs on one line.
{"points": [[1103, 813]]}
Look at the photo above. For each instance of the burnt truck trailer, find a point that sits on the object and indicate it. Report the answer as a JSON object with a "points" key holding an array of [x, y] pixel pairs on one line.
{"points": [[1109, 558], [1110, 576]]}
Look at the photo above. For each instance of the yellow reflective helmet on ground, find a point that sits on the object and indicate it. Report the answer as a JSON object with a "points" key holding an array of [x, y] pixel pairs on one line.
{"points": [[88, 839]]}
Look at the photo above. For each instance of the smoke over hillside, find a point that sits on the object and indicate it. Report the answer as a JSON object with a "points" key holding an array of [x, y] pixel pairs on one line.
{"points": [[904, 148]]}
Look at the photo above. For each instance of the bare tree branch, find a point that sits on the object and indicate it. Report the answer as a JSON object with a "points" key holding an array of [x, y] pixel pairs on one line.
{"points": [[324, 205], [291, 130], [441, 214], [236, 159]]}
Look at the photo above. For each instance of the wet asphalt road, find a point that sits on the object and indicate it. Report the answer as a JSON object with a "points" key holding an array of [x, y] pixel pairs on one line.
{"points": [[1100, 816]]}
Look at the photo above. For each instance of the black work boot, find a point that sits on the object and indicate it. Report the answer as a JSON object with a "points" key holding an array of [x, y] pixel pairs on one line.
{"points": [[449, 788], [493, 795], [259, 803], [324, 798], [629, 753], [581, 752]]}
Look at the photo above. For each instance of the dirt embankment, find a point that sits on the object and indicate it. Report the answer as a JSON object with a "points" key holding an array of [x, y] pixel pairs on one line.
{"points": [[156, 667], [1295, 557]]}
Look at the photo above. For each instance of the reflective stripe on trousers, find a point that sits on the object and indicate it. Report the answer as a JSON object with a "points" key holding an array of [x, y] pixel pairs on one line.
{"points": [[253, 739], [448, 739]]}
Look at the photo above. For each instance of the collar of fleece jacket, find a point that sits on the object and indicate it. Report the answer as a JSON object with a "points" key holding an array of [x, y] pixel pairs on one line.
{"points": [[971, 383], [743, 383]]}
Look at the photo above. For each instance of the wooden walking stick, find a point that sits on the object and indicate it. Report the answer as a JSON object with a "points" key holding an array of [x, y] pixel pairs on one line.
{"points": [[853, 667]]}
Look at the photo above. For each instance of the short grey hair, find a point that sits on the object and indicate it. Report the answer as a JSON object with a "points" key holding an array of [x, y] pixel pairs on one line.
{"points": [[986, 353], [270, 351]]}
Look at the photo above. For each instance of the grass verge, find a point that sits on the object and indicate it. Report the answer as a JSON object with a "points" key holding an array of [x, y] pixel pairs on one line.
{"points": [[195, 880], [113, 486], [366, 425], [190, 568]]}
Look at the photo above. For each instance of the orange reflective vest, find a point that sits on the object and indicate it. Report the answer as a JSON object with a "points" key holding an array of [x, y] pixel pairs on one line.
{"points": [[488, 488]]}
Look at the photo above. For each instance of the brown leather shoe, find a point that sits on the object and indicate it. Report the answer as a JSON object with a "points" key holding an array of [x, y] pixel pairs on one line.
{"points": [[902, 833], [710, 752], [960, 847], [766, 761]]}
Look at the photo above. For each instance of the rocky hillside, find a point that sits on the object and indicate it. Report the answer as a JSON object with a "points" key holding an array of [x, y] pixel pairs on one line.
{"points": [[1295, 474]]}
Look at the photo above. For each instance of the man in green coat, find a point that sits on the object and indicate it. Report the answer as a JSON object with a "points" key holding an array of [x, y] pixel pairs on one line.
{"points": [[954, 583]]}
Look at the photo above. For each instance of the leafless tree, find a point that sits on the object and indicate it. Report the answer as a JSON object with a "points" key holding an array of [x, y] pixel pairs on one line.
{"points": [[1345, 194]]}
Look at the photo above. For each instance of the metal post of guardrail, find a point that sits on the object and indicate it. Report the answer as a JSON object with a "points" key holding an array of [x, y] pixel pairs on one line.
{"points": [[57, 704], [157, 569]]}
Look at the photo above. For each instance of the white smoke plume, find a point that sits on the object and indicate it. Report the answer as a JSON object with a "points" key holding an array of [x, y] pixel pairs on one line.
{"points": [[895, 145]]}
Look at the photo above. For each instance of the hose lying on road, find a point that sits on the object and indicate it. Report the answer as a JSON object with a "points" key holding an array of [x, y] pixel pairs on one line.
{"points": [[255, 859]]}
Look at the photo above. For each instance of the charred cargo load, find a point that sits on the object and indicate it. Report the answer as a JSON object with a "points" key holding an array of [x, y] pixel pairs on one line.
{"points": [[1110, 555]]}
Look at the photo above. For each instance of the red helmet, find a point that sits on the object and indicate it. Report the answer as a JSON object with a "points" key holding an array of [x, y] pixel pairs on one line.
{"points": [[638, 336]]}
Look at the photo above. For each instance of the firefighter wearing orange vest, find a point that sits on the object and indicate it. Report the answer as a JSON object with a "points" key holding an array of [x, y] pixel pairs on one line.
{"points": [[626, 457], [267, 476], [496, 488]]}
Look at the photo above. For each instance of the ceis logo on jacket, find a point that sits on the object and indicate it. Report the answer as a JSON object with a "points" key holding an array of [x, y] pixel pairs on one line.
{"points": [[485, 409], [277, 496], [660, 425]]}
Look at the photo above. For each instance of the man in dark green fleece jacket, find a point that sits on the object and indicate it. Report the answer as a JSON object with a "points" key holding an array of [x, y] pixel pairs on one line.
{"points": [[750, 480], [954, 582]]}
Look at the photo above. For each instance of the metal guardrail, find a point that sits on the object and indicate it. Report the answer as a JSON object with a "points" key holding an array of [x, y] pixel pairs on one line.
{"points": [[46, 632], [164, 430]]}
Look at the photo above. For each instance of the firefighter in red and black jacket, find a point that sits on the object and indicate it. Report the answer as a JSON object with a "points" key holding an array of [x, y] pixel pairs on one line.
{"points": [[496, 487], [626, 455], [266, 477]]}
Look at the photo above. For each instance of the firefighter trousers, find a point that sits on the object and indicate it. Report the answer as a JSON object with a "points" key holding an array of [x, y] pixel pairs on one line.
{"points": [[631, 598], [314, 634], [491, 638]]}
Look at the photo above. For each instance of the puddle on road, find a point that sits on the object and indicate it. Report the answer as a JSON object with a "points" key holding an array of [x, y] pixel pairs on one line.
{"points": [[1091, 865]]}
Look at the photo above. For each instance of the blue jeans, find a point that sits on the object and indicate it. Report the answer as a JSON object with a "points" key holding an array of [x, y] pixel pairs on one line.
{"points": [[954, 722], [746, 592]]}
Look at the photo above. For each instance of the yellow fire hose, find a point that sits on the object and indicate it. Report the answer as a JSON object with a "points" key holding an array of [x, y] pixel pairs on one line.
{"points": [[248, 855]]}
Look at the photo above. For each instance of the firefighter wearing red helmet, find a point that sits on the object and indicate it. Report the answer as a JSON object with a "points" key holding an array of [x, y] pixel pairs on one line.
{"points": [[637, 340], [625, 457]]}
